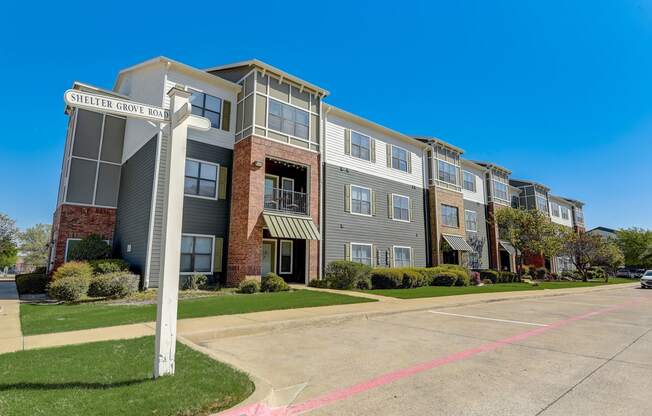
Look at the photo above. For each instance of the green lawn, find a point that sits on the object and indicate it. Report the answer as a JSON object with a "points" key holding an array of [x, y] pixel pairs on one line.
{"points": [[115, 378], [43, 318], [437, 291]]}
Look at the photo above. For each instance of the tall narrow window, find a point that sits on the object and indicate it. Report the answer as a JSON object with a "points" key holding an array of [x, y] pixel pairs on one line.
{"points": [[554, 207], [542, 203], [196, 253], [447, 172], [399, 158], [564, 213], [401, 207], [201, 179], [402, 256], [285, 263], [360, 146], [207, 106], [500, 191], [469, 181], [360, 200], [361, 253], [449, 216]]}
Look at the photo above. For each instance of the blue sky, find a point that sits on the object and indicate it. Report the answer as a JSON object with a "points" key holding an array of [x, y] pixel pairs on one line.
{"points": [[559, 92]]}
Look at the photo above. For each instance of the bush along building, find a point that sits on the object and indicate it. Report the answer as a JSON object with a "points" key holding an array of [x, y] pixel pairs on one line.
{"points": [[282, 182]]}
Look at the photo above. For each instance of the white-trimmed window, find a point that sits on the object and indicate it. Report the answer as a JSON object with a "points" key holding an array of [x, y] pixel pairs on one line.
{"points": [[469, 181], [554, 207], [197, 253], [400, 207], [288, 119], [402, 256], [362, 253], [286, 256], [449, 216], [360, 146], [471, 220], [360, 200], [201, 179], [564, 213], [399, 158], [207, 106], [500, 191], [542, 203], [447, 172]]}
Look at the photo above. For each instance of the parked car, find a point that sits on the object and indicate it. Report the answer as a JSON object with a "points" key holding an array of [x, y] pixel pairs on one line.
{"points": [[623, 272], [646, 280], [639, 273]]}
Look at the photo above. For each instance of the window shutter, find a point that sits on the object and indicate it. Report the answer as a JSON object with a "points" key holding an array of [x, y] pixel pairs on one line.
{"points": [[347, 252], [221, 189], [390, 206], [347, 198], [226, 115], [409, 161], [411, 210], [347, 141], [373, 203], [372, 150], [389, 155], [373, 256], [217, 254], [411, 257]]}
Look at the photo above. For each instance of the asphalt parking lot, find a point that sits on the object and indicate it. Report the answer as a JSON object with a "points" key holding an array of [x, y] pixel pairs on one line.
{"points": [[578, 354]]}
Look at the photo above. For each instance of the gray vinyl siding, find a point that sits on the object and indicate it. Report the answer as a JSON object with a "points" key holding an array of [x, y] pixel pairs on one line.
{"points": [[157, 229], [134, 206], [341, 227], [481, 234]]}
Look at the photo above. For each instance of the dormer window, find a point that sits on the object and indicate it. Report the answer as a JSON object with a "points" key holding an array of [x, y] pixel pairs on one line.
{"points": [[208, 106]]}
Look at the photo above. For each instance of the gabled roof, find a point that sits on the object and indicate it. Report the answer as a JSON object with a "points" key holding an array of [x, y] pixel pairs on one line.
{"points": [[271, 69], [490, 165], [608, 230], [437, 140]]}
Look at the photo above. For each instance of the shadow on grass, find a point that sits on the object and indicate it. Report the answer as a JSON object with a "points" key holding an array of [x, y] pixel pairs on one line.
{"points": [[71, 385]]}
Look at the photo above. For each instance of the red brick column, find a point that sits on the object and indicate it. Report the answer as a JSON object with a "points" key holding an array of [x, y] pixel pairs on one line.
{"points": [[492, 235], [248, 183]]}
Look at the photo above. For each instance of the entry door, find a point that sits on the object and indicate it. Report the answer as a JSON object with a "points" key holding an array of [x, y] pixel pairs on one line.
{"points": [[268, 262]]}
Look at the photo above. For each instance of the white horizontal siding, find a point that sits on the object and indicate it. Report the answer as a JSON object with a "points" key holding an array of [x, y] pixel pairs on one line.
{"points": [[559, 219], [479, 195], [335, 155]]}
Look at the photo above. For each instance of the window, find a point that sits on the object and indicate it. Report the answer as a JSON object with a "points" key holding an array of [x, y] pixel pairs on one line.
{"points": [[500, 191], [399, 159], [196, 253], [564, 213], [361, 253], [579, 216], [201, 179], [402, 256], [469, 181], [471, 220], [360, 200], [287, 119], [554, 207], [360, 146], [72, 242], [447, 172], [449, 216], [401, 207], [207, 106], [542, 203], [286, 257]]}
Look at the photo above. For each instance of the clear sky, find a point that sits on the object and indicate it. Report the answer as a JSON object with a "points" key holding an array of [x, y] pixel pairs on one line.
{"points": [[558, 91]]}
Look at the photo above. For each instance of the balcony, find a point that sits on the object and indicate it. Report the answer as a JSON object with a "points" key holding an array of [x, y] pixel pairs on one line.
{"points": [[287, 202]]}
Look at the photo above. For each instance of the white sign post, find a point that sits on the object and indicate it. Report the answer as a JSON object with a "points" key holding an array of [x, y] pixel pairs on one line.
{"points": [[178, 124]]}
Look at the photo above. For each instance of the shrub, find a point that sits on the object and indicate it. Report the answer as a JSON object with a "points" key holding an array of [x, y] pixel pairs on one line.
{"points": [[444, 279], [475, 279], [194, 281], [595, 273], [382, 278], [532, 271], [489, 275], [31, 283], [318, 283], [69, 288], [430, 272], [508, 277], [73, 269], [342, 274], [414, 278], [463, 279], [90, 248], [249, 286], [113, 285], [103, 266], [541, 273], [487, 282], [271, 282]]}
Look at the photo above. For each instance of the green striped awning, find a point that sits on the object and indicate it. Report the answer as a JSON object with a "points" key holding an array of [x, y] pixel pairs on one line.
{"points": [[457, 243], [284, 226], [508, 247]]}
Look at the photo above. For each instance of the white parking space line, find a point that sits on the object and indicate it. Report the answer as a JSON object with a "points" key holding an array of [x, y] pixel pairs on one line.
{"points": [[487, 319]]}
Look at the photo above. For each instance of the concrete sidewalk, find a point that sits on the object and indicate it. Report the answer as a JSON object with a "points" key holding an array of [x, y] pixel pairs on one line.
{"points": [[11, 338], [224, 326]]}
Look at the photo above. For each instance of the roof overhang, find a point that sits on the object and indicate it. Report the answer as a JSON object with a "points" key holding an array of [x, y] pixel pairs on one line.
{"points": [[437, 141], [490, 165]]}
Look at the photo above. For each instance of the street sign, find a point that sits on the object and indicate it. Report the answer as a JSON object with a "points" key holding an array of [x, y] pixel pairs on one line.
{"points": [[112, 105]]}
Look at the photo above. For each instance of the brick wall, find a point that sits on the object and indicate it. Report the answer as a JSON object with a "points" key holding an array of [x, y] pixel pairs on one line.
{"points": [[248, 182], [73, 221], [438, 196]]}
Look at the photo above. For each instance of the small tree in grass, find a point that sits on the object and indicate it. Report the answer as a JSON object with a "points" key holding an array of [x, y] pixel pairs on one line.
{"points": [[587, 250], [8, 249]]}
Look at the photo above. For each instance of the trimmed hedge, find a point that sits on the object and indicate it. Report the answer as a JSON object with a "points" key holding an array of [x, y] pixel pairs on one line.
{"points": [[444, 278], [73, 269], [31, 283], [414, 278], [103, 266], [70, 288], [194, 281], [489, 275], [318, 283], [249, 286], [91, 247], [271, 282], [347, 275], [113, 285], [386, 278]]}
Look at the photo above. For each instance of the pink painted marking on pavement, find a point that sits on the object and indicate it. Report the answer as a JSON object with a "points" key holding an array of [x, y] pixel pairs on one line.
{"points": [[260, 409]]}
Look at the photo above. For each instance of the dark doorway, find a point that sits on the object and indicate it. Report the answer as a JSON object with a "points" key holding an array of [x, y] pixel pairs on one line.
{"points": [[505, 261]]}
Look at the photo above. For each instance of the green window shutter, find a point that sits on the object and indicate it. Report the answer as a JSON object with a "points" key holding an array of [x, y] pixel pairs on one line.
{"points": [[226, 115], [390, 206], [411, 257], [409, 162], [411, 210], [372, 150], [347, 198], [373, 255], [373, 202], [221, 188], [347, 141], [389, 155], [217, 254], [347, 252]]}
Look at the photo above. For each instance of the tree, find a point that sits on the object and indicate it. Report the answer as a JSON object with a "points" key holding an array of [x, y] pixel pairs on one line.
{"points": [[34, 244], [587, 250], [90, 248], [636, 245], [8, 250], [609, 257], [528, 231]]}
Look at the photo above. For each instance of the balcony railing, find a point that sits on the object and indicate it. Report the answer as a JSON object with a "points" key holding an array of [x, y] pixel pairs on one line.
{"points": [[289, 202]]}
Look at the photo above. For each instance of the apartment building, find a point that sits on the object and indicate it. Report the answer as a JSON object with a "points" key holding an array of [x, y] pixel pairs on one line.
{"points": [[281, 182]]}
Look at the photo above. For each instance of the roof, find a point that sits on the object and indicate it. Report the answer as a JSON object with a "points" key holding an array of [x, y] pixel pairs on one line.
{"points": [[368, 123], [472, 164], [490, 165], [269, 68], [436, 140], [181, 66], [526, 182], [609, 230], [574, 201]]}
